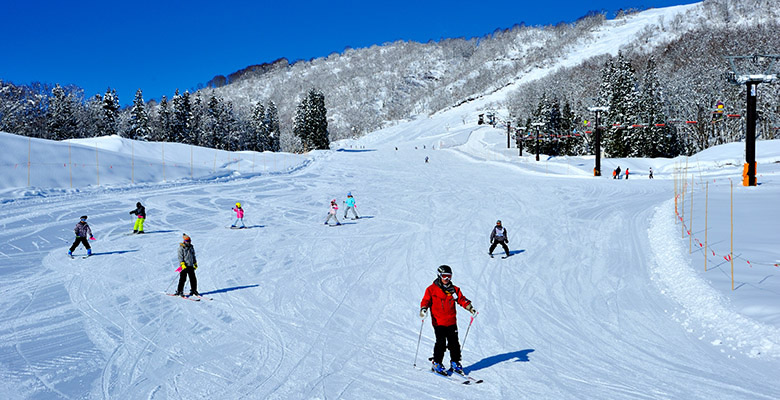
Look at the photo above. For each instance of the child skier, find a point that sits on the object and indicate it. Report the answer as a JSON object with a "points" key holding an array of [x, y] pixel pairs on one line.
{"points": [[334, 208], [440, 297], [350, 202], [83, 232], [140, 212], [499, 235], [188, 265], [239, 216], [651, 172]]}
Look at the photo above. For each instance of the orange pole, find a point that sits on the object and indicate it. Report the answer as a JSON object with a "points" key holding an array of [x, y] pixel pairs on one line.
{"points": [[706, 208], [731, 254]]}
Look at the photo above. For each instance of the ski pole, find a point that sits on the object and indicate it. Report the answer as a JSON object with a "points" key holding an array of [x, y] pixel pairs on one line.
{"points": [[169, 285], [422, 322], [467, 331]]}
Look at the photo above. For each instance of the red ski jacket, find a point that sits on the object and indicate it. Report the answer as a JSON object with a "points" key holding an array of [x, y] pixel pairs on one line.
{"points": [[441, 302]]}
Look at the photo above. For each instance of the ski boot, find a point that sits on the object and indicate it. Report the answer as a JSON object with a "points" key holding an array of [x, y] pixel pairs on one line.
{"points": [[70, 253], [194, 293], [456, 367], [89, 252], [338, 223], [135, 230], [179, 294], [438, 368]]}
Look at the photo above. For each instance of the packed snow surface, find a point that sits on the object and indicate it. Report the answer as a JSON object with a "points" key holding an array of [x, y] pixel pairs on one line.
{"points": [[600, 298]]}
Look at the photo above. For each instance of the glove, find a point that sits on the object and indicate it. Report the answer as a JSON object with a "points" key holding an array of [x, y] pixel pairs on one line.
{"points": [[92, 238], [471, 309], [423, 312], [183, 266], [194, 267]]}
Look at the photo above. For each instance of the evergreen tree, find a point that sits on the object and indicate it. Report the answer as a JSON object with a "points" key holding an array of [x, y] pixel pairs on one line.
{"points": [[311, 123], [139, 119], [656, 141], [258, 129], [164, 121], [622, 109], [213, 135], [197, 121], [110, 113], [61, 122], [319, 120], [272, 126]]}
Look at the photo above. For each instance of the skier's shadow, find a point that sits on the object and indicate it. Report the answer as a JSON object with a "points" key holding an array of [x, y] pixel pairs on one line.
{"points": [[230, 289], [105, 253], [513, 252], [519, 356]]}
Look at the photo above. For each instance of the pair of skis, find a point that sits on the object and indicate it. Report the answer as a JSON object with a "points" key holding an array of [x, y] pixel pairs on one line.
{"points": [[503, 257], [460, 379], [191, 297], [82, 257]]}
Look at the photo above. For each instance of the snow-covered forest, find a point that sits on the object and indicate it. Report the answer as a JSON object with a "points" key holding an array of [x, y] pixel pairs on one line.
{"points": [[559, 72]]}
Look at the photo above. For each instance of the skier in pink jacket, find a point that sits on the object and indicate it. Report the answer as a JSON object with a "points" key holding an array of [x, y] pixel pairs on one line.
{"points": [[239, 216], [334, 208]]}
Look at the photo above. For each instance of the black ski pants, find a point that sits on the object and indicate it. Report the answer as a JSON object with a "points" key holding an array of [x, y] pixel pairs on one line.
{"points": [[502, 243], [82, 240], [446, 338], [189, 271]]}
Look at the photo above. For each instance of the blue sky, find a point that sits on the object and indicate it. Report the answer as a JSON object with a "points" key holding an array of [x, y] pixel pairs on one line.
{"points": [[164, 45]]}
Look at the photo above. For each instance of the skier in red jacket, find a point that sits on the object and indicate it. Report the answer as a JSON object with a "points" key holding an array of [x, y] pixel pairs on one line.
{"points": [[440, 298]]}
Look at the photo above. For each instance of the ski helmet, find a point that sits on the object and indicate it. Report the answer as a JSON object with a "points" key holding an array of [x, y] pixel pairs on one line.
{"points": [[186, 238], [498, 222], [83, 218], [349, 194], [444, 269], [238, 205], [138, 204]]}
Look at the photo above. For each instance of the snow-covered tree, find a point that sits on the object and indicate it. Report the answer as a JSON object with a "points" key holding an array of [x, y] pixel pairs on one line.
{"points": [[138, 127], [61, 122], [110, 113]]}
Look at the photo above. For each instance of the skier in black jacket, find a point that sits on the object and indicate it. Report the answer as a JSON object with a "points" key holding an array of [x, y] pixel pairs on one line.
{"points": [[139, 211], [499, 235]]}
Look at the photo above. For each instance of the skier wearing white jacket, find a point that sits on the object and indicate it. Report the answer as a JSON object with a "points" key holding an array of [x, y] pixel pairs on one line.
{"points": [[334, 208]]}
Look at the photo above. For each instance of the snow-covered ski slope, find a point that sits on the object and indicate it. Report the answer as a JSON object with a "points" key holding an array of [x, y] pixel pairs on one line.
{"points": [[599, 300]]}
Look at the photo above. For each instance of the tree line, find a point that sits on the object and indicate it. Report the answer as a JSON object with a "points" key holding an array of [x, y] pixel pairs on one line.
{"points": [[60, 112]]}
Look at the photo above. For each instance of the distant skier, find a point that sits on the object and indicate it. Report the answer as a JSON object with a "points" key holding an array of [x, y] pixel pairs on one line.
{"points": [[440, 298], [140, 212], [614, 174], [617, 171], [499, 235], [239, 216], [82, 231], [187, 266], [334, 208], [626, 173], [426, 159], [651, 173], [350, 202]]}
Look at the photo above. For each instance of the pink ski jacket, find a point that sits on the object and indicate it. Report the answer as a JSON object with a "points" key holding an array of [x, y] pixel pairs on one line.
{"points": [[239, 212]]}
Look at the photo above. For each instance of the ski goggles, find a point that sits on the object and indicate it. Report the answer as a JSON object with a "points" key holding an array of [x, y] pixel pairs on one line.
{"points": [[445, 276]]}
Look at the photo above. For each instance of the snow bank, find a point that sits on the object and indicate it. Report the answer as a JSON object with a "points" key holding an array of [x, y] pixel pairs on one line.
{"points": [[702, 304]]}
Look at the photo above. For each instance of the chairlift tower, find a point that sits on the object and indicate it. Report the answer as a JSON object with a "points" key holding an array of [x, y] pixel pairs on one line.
{"points": [[597, 138], [538, 126], [745, 70]]}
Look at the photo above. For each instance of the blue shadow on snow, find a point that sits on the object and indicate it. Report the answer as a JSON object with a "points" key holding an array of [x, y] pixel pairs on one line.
{"points": [[355, 150], [518, 356], [105, 253], [225, 290], [513, 252]]}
